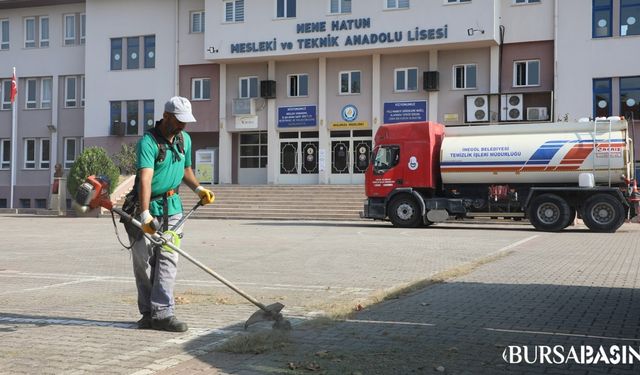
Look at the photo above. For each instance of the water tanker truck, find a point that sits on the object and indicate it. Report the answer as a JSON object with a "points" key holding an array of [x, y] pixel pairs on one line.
{"points": [[423, 173]]}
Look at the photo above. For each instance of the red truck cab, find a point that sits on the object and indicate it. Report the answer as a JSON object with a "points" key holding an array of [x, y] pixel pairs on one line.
{"points": [[405, 163], [406, 155]]}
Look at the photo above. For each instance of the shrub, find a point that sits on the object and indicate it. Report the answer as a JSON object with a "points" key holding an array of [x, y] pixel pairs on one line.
{"points": [[126, 158], [92, 161]]}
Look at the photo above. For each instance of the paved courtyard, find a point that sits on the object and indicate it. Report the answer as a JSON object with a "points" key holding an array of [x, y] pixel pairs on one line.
{"points": [[68, 301]]}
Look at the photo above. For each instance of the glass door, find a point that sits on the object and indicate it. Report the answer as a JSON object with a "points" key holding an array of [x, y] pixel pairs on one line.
{"points": [[298, 158], [350, 156]]}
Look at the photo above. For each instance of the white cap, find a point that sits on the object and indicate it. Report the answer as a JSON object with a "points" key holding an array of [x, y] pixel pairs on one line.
{"points": [[181, 108]]}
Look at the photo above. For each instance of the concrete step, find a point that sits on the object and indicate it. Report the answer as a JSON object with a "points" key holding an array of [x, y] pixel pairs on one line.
{"points": [[279, 202]]}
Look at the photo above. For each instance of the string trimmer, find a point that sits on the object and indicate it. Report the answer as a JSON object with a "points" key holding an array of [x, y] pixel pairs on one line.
{"points": [[94, 193]]}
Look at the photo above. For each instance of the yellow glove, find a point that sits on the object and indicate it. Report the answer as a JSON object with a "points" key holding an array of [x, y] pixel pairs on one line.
{"points": [[206, 196], [149, 224]]}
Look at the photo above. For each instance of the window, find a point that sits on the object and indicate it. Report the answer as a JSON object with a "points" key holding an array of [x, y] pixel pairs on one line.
{"points": [[602, 97], [386, 157], [340, 6], [132, 117], [29, 153], [81, 91], [525, 1], [69, 29], [45, 93], [5, 155], [116, 112], [4, 34], [31, 101], [197, 22], [29, 32], [406, 79], [350, 82], [396, 4], [133, 53], [248, 87], [298, 85], [6, 94], [25, 203], [457, 1], [116, 53], [44, 32], [200, 89], [41, 203], [72, 148], [253, 150], [233, 10], [629, 17], [70, 95], [601, 19], [45, 155], [150, 51], [285, 8], [526, 73], [149, 122], [630, 97], [83, 28], [464, 76]]}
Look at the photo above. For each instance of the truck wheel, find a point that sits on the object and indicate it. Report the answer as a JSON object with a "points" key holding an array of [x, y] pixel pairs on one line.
{"points": [[549, 212], [603, 213], [404, 212], [572, 216]]}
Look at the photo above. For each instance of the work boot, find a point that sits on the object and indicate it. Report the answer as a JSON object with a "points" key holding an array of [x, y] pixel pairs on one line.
{"points": [[170, 324], [145, 321]]}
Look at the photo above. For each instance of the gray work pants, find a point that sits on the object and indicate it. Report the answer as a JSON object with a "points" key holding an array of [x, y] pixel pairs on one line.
{"points": [[155, 271]]}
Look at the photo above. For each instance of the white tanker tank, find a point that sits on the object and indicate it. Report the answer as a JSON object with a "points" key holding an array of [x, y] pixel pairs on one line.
{"points": [[554, 153]]}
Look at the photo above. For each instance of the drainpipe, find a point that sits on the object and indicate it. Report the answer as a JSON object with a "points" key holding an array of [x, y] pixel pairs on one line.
{"points": [[555, 59], [176, 62], [500, 59]]}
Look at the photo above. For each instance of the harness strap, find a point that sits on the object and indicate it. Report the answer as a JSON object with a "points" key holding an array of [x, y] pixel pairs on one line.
{"points": [[165, 195]]}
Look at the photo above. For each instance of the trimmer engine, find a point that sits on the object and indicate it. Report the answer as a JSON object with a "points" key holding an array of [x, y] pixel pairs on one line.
{"points": [[92, 193]]}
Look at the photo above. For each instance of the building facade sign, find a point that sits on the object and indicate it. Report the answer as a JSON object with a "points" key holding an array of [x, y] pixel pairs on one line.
{"points": [[409, 111], [247, 122], [337, 33], [298, 116]]}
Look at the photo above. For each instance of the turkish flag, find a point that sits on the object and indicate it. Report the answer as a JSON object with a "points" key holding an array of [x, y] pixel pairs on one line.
{"points": [[14, 88]]}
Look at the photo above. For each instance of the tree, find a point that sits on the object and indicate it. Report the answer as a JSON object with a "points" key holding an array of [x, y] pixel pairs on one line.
{"points": [[92, 161], [126, 158]]}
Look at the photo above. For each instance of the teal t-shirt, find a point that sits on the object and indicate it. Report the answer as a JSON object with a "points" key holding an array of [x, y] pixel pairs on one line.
{"points": [[167, 174]]}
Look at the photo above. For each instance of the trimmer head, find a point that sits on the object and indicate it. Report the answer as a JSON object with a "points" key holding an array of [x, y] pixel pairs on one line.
{"points": [[270, 313]]}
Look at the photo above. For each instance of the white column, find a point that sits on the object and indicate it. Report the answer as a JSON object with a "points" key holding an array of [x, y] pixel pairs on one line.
{"points": [[54, 122], [14, 140], [323, 127], [225, 155], [494, 84], [375, 93], [432, 103], [273, 149]]}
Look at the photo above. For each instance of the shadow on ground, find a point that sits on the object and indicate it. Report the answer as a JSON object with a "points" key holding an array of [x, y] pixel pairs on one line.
{"points": [[456, 328], [9, 320]]}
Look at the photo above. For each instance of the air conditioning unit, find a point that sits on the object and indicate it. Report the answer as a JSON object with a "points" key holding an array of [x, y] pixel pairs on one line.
{"points": [[537, 114], [118, 128], [511, 107], [477, 108], [243, 107]]}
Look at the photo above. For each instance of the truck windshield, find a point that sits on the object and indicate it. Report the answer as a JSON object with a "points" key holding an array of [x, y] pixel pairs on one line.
{"points": [[386, 158]]}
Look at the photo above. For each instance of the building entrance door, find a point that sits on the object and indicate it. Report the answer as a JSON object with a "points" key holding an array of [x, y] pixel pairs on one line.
{"points": [[253, 158], [298, 158], [350, 156]]}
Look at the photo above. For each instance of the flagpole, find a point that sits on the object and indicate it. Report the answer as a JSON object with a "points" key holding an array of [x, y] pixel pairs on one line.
{"points": [[14, 136]]}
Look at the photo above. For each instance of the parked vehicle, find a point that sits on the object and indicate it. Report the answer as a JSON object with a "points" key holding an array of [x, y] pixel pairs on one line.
{"points": [[423, 173]]}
